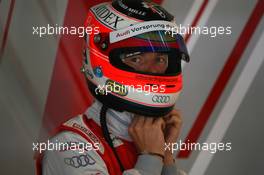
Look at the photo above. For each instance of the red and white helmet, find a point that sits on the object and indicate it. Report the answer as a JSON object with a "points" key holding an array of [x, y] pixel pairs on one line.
{"points": [[129, 27]]}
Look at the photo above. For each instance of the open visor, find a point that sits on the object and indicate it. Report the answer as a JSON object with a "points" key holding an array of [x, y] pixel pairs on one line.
{"points": [[144, 47]]}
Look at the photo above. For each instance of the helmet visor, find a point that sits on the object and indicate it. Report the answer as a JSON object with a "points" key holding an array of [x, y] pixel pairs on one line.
{"points": [[155, 53]]}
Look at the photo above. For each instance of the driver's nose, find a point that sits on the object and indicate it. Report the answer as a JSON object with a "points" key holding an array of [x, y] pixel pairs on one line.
{"points": [[151, 65]]}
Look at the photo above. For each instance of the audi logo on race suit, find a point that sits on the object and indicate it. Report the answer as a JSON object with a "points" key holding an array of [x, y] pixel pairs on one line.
{"points": [[161, 98], [80, 161]]}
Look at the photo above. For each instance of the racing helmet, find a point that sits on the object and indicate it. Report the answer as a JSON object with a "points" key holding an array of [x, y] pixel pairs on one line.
{"points": [[127, 29]]}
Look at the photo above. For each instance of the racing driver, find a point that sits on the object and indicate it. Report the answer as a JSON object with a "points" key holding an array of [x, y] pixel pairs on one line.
{"points": [[133, 69]]}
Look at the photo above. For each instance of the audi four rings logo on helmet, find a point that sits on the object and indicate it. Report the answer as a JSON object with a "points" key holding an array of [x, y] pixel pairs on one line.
{"points": [[107, 16], [161, 98], [79, 161]]}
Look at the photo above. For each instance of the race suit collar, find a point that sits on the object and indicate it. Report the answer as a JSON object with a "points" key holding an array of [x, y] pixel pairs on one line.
{"points": [[117, 122]]}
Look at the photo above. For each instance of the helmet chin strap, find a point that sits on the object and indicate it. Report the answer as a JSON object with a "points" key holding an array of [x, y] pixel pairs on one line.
{"points": [[107, 134]]}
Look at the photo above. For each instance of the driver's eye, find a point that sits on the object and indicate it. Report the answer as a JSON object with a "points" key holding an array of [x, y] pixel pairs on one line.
{"points": [[136, 59], [161, 60]]}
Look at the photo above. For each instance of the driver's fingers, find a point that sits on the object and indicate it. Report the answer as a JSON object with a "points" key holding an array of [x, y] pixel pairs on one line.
{"points": [[148, 121], [159, 122]]}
